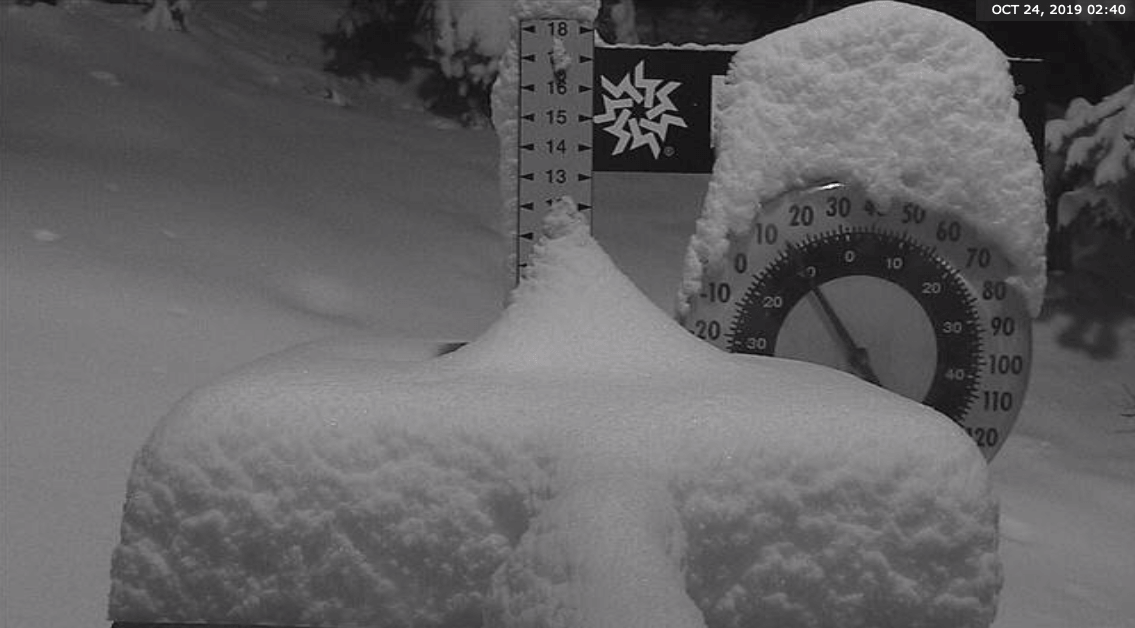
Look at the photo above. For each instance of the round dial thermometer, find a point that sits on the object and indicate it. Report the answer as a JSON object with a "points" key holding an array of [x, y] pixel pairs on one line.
{"points": [[903, 296]]}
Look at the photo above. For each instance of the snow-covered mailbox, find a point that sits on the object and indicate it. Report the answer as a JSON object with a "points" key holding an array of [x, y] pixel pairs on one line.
{"points": [[587, 462]]}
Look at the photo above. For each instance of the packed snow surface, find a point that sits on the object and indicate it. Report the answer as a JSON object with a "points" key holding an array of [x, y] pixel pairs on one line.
{"points": [[586, 462], [906, 101], [179, 204]]}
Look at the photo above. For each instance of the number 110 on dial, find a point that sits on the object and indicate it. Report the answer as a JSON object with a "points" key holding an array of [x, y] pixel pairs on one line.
{"points": [[901, 295]]}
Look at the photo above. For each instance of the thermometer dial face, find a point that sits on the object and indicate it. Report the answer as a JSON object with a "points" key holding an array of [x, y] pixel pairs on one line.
{"points": [[903, 296]]}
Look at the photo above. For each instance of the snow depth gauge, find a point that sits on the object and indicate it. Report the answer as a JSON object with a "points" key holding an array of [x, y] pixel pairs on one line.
{"points": [[586, 108], [902, 295], [554, 135]]}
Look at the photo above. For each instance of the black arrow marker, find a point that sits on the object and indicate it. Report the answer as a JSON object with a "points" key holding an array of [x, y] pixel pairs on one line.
{"points": [[528, 236], [531, 117], [583, 148], [530, 176], [531, 28], [528, 146], [531, 57], [529, 88], [583, 89], [527, 206], [583, 177]]}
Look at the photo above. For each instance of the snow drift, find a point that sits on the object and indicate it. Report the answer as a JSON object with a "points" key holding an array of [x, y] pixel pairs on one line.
{"points": [[586, 462], [116, 300]]}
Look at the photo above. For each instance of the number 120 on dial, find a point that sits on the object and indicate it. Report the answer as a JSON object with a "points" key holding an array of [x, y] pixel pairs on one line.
{"points": [[903, 296]]}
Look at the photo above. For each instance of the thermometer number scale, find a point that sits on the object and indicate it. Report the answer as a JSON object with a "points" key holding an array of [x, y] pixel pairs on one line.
{"points": [[906, 297]]}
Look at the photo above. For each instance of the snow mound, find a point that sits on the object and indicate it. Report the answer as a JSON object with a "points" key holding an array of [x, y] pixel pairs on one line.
{"points": [[903, 100], [584, 463]]}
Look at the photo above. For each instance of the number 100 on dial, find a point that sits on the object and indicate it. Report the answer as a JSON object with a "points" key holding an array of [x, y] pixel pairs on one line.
{"points": [[904, 296]]}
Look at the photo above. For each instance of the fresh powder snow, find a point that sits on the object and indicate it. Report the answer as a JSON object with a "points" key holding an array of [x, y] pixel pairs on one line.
{"points": [[470, 37], [906, 101], [586, 462], [159, 204]]}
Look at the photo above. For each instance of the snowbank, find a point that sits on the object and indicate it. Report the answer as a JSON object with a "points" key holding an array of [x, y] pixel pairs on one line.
{"points": [[586, 462], [903, 100]]}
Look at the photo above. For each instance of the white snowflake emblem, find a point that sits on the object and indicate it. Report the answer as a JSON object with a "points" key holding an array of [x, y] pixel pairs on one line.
{"points": [[638, 111]]}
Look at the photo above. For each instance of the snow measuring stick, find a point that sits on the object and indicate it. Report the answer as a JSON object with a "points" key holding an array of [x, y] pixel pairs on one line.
{"points": [[587, 107], [529, 479], [554, 145], [940, 324]]}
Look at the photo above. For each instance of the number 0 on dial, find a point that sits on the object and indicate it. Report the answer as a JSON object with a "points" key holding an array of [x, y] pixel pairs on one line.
{"points": [[906, 297]]}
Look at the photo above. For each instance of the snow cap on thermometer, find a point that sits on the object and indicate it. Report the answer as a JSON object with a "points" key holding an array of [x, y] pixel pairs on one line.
{"points": [[907, 102]]}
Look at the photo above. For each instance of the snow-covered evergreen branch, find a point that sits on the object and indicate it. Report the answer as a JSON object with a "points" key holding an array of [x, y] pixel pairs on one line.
{"points": [[1091, 162]]}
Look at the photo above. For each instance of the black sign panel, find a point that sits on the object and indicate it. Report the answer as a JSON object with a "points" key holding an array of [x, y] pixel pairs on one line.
{"points": [[1030, 77], [653, 107]]}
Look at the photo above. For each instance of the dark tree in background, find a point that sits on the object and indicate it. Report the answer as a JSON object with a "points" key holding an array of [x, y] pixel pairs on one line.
{"points": [[448, 51], [460, 41], [379, 38], [1083, 59]]}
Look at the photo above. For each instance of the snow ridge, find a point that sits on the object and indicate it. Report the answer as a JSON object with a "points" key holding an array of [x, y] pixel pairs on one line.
{"points": [[586, 463], [680, 486]]}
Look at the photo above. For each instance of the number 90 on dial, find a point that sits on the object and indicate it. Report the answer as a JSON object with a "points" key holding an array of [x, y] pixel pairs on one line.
{"points": [[902, 295]]}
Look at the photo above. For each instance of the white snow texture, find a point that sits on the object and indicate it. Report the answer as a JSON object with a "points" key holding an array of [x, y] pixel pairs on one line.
{"points": [[906, 101], [585, 463], [470, 38]]}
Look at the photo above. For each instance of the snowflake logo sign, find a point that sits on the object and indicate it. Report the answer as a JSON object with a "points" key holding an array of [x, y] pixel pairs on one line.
{"points": [[638, 111], [652, 108]]}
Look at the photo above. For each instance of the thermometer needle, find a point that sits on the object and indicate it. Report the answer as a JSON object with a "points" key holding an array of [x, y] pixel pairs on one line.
{"points": [[856, 355]]}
